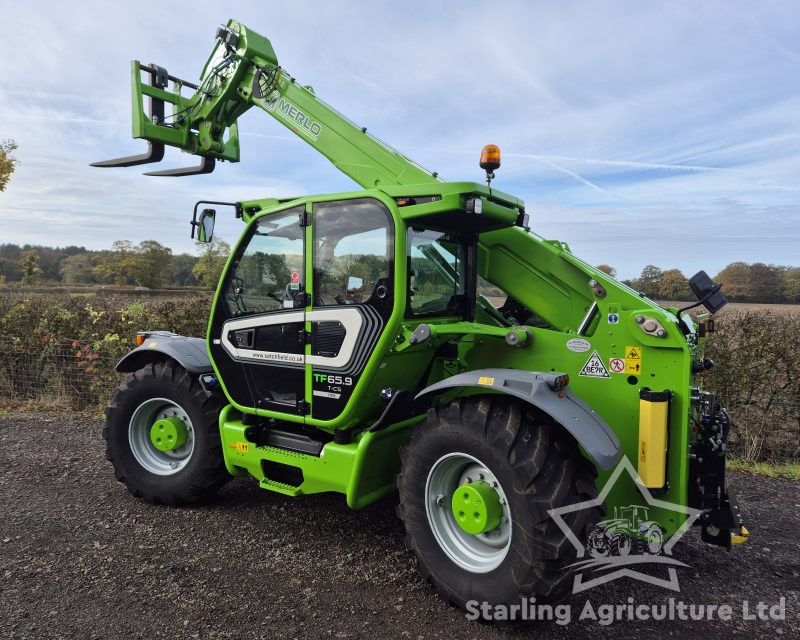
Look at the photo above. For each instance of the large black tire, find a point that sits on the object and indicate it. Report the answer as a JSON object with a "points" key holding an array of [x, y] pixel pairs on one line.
{"points": [[203, 473], [540, 467]]}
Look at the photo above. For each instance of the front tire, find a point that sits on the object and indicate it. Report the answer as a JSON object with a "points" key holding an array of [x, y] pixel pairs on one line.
{"points": [[537, 466], [164, 391], [621, 545], [653, 541]]}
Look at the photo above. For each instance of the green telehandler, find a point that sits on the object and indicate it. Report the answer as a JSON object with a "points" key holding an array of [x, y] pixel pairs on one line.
{"points": [[413, 336]]}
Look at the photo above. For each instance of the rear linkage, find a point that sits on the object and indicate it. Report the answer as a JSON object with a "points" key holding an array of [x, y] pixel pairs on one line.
{"points": [[721, 521]]}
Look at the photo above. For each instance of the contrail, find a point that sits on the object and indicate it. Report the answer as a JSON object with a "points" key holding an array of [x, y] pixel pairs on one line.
{"points": [[633, 164], [624, 163], [577, 177], [58, 118]]}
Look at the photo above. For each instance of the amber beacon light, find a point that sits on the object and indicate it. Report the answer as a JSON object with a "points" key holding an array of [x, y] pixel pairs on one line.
{"points": [[490, 161]]}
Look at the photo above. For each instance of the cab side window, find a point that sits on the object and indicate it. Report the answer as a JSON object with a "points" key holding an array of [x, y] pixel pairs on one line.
{"points": [[436, 275], [353, 251], [270, 272]]}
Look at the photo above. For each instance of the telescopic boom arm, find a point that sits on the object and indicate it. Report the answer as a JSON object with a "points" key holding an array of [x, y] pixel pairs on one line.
{"points": [[243, 71]]}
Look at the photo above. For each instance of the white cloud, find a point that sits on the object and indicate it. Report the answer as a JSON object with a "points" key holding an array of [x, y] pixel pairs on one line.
{"points": [[658, 132]]}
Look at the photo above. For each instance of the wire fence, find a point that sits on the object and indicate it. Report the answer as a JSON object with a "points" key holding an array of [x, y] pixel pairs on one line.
{"points": [[757, 372], [75, 376], [70, 374]]}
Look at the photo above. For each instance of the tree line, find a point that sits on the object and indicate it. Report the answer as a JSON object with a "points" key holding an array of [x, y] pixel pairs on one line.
{"points": [[152, 265], [741, 282], [146, 264]]}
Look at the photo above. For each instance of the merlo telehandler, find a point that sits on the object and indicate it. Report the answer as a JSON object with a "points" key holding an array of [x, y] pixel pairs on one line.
{"points": [[413, 336]]}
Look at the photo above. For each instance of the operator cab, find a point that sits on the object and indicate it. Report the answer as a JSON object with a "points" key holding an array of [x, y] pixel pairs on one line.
{"points": [[305, 298], [318, 288]]}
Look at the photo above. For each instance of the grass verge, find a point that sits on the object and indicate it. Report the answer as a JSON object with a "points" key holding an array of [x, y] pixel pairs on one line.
{"points": [[790, 470]]}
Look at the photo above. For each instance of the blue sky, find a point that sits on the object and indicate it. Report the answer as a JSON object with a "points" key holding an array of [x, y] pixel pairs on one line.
{"points": [[658, 132]]}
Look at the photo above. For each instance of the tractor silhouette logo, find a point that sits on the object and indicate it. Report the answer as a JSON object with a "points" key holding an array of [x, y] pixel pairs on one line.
{"points": [[628, 539], [628, 532]]}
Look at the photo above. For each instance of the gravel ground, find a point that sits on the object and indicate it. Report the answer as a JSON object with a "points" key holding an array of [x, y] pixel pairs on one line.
{"points": [[80, 558]]}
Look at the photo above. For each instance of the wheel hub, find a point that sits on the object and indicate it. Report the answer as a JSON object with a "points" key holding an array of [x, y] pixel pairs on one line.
{"points": [[476, 507], [168, 434]]}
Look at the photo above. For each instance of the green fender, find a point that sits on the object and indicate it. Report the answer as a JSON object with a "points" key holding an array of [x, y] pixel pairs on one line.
{"points": [[542, 391]]}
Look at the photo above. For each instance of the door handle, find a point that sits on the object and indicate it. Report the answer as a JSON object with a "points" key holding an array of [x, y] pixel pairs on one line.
{"points": [[243, 338]]}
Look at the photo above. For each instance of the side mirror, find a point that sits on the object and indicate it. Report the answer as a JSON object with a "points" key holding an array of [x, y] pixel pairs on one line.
{"points": [[707, 292], [354, 283], [205, 226]]}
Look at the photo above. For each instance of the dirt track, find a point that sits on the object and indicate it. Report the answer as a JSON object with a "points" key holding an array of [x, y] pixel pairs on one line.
{"points": [[80, 558]]}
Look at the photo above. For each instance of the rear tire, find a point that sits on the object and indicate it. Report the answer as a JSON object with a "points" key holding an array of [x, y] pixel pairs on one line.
{"points": [[185, 475], [539, 467]]}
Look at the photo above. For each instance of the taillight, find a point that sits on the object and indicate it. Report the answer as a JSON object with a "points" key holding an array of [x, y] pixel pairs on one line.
{"points": [[559, 383]]}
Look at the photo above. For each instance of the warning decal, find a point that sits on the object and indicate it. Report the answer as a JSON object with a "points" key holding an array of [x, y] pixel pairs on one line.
{"points": [[617, 365], [633, 360], [633, 353], [594, 367]]}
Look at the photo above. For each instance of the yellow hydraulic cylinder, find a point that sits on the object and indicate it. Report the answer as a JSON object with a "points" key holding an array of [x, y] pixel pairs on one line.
{"points": [[652, 452]]}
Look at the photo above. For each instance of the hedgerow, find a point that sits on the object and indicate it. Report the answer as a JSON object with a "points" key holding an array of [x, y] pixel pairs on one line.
{"points": [[63, 349]]}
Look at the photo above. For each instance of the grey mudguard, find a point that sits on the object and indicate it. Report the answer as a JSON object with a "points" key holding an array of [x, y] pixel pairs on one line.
{"points": [[190, 353], [588, 428]]}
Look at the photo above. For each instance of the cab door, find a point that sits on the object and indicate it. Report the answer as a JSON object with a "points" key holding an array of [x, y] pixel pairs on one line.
{"points": [[353, 297], [258, 324]]}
